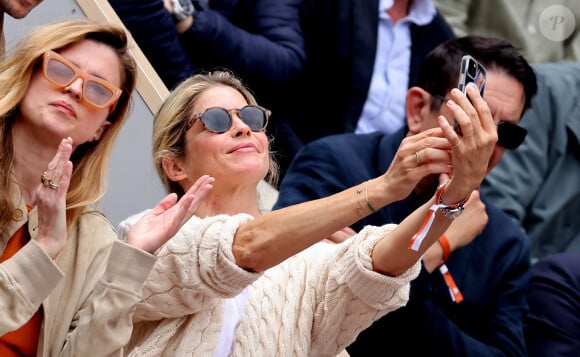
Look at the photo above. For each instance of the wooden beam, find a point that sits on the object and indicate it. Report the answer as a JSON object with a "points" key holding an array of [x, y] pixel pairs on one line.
{"points": [[149, 84]]}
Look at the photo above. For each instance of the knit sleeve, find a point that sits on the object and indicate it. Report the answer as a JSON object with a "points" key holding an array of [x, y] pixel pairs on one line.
{"points": [[353, 296], [193, 268], [316, 302]]}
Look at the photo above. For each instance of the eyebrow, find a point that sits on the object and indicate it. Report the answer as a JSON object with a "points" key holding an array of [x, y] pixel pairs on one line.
{"points": [[94, 74]]}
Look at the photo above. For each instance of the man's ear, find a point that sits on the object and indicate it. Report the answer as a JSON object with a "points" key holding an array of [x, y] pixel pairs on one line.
{"points": [[100, 131], [417, 106], [173, 169]]}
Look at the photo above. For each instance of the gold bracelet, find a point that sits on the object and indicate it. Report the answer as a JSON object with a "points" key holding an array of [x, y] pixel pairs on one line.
{"points": [[369, 204], [358, 204]]}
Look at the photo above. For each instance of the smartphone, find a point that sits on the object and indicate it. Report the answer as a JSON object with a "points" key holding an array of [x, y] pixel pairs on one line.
{"points": [[471, 72]]}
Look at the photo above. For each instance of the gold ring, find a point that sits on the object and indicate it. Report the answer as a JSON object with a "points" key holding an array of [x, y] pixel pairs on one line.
{"points": [[418, 158], [44, 179], [52, 185]]}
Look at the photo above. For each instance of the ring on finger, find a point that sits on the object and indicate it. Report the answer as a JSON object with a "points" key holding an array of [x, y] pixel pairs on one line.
{"points": [[418, 158], [44, 180], [52, 185]]}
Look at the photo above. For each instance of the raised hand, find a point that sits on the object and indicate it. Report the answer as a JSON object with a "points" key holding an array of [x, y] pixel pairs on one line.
{"points": [[51, 200], [164, 220], [472, 150]]}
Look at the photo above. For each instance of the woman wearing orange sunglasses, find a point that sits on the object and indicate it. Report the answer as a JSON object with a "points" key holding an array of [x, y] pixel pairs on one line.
{"points": [[67, 285]]}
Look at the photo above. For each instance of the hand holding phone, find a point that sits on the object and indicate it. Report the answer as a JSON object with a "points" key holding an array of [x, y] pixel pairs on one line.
{"points": [[471, 72]]}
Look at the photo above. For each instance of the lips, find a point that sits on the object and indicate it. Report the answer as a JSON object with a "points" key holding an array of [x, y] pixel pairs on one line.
{"points": [[65, 108], [245, 147]]}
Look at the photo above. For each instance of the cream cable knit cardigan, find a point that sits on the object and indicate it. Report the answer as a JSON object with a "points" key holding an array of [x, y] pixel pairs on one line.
{"points": [[312, 304]]}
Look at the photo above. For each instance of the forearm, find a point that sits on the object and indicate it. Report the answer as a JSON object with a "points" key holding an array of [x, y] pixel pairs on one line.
{"points": [[273, 237], [392, 255], [433, 258]]}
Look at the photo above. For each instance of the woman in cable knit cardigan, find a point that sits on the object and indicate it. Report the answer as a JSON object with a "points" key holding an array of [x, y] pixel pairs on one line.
{"points": [[235, 282]]}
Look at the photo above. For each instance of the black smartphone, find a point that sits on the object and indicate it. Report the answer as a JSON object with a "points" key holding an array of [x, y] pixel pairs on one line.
{"points": [[471, 72]]}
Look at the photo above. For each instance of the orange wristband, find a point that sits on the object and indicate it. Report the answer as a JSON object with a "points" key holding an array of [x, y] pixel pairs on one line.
{"points": [[445, 246], [454, 291]]}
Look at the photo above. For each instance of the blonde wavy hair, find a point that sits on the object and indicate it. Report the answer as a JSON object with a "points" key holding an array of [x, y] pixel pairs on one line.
{"points": [[169, 126], [90, 160]]}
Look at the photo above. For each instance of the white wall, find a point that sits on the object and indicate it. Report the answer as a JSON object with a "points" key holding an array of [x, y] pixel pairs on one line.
{"points": [[133, 183]]}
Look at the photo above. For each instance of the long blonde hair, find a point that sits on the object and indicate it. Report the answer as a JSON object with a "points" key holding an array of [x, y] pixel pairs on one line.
{"points": [[170, 121], [90, 160]]}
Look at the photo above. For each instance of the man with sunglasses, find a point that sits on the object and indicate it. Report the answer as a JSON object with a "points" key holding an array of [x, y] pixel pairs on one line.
{"points": [[469, 298], [539, 183]]}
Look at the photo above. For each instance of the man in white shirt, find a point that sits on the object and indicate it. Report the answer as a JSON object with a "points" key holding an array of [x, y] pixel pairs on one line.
{"points": [[362, 56], [385, 103]]}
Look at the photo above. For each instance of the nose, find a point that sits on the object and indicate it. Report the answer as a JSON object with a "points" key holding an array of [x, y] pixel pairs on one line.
{"points": [[239, 128], [75, 88]]}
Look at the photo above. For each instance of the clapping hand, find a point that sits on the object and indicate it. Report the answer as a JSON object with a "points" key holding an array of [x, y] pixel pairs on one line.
{"points": [[51, 200], [166, 218]]}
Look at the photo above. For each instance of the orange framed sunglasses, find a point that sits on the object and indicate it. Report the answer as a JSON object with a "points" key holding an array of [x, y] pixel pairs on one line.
{"points": [[97, 92]]}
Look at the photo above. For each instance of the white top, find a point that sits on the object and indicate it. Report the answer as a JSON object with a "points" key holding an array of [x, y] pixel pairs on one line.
{"points": [[233, 312], [384, 109]]}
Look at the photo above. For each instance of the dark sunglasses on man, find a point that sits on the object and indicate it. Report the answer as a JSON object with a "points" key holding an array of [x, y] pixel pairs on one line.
{"points": [[509, 135]]}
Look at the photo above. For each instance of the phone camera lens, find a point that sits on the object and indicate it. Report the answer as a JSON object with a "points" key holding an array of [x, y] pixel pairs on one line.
{"points": [[471, 69]]}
